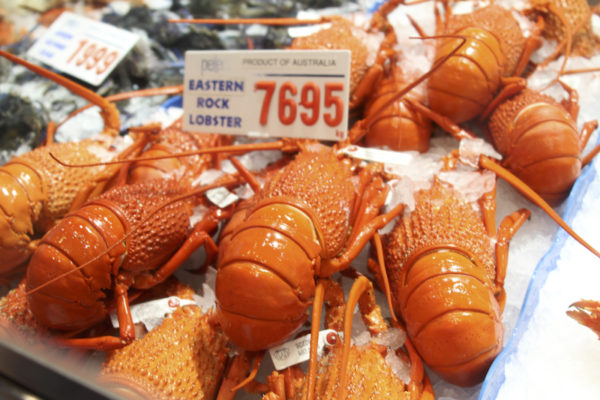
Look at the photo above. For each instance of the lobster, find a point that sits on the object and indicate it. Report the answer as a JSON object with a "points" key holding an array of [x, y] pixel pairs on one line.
{"points": [[446, 266], [315, 213], [354, 371], [495, 52], [36, 191], [366, 66], [130, 237], [184, 357], [538, 138], [396, 126]]}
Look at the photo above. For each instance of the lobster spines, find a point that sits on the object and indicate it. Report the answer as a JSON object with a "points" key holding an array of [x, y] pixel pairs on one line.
{"points": [[468, 81], [540, 142], [441, 269]]}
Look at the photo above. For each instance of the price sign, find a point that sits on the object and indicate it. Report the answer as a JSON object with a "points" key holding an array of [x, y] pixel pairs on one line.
{"points": [[291, 93], [82, 47]]}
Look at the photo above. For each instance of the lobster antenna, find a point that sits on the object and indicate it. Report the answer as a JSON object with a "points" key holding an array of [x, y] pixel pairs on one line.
{"points": [[580, 70], [225, 182], [365, 124], [360, 286], [248, 21], [488, 163], [109, 111], [314, 338], [166, 90], [234, 149]]}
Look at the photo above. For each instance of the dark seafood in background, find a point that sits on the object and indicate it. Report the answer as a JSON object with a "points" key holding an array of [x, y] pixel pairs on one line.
{"points": [[22, 124]]}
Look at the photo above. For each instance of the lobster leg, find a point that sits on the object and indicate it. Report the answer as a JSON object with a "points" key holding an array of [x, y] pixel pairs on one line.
{"points": [[360, 238], [91, 190], [532, 43], [508, 228], [511, 86], [197, 238], [444, 122]]}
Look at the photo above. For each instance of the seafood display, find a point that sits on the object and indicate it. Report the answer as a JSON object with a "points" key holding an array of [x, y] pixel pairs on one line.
{"points": [[178, 264]]}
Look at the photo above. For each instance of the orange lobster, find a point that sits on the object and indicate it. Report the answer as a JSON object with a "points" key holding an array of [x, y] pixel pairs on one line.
{"points": [[36, 191], [495, 51], [397, 126], [316, 213], [446, 267], [538, 138], [130, 237]]}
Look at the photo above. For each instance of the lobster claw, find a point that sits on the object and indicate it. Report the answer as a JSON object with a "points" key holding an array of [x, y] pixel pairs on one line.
{"points": [[587, 313]]}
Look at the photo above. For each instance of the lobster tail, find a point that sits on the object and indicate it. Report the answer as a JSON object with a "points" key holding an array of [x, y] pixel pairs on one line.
{"points": [[20, 206], [540, 142], [460, 336], [464, 86], [79, 237], [265, 277]]}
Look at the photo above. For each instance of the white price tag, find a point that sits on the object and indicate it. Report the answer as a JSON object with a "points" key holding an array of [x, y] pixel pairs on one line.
{"points": [[151, 313], [298, 350], [221, 197], [378, 155], [290, 93], [82, 47]]}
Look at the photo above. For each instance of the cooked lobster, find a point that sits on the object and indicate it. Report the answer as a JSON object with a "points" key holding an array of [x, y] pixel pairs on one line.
{"points": [[310, 220], [446, 267]]}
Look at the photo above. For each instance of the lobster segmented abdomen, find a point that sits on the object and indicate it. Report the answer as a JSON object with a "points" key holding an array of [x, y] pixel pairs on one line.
{"points": [[265, 275], [77, 300], [440, 263], [467, 82], [540, 143]]}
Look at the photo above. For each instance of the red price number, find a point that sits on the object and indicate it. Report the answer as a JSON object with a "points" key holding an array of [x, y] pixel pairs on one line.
{"points": [[90, 55], [305, 102]]}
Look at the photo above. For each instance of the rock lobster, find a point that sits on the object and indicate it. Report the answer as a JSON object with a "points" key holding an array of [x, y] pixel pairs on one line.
{"points": [[446, 267]]}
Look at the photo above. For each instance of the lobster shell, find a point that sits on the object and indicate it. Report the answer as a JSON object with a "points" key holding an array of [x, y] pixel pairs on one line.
{"points": [[79, 299], [37, 191], [468, 81], [183, 358], [441, 268], [274, 246], [540, 142], [399, 127]]}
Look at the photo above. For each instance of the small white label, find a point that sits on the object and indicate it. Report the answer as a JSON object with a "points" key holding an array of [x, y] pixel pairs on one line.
{"points": [[280, 93], [378, 155], [151, 313], [221, 197], [82, 47], [298, 350]]}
